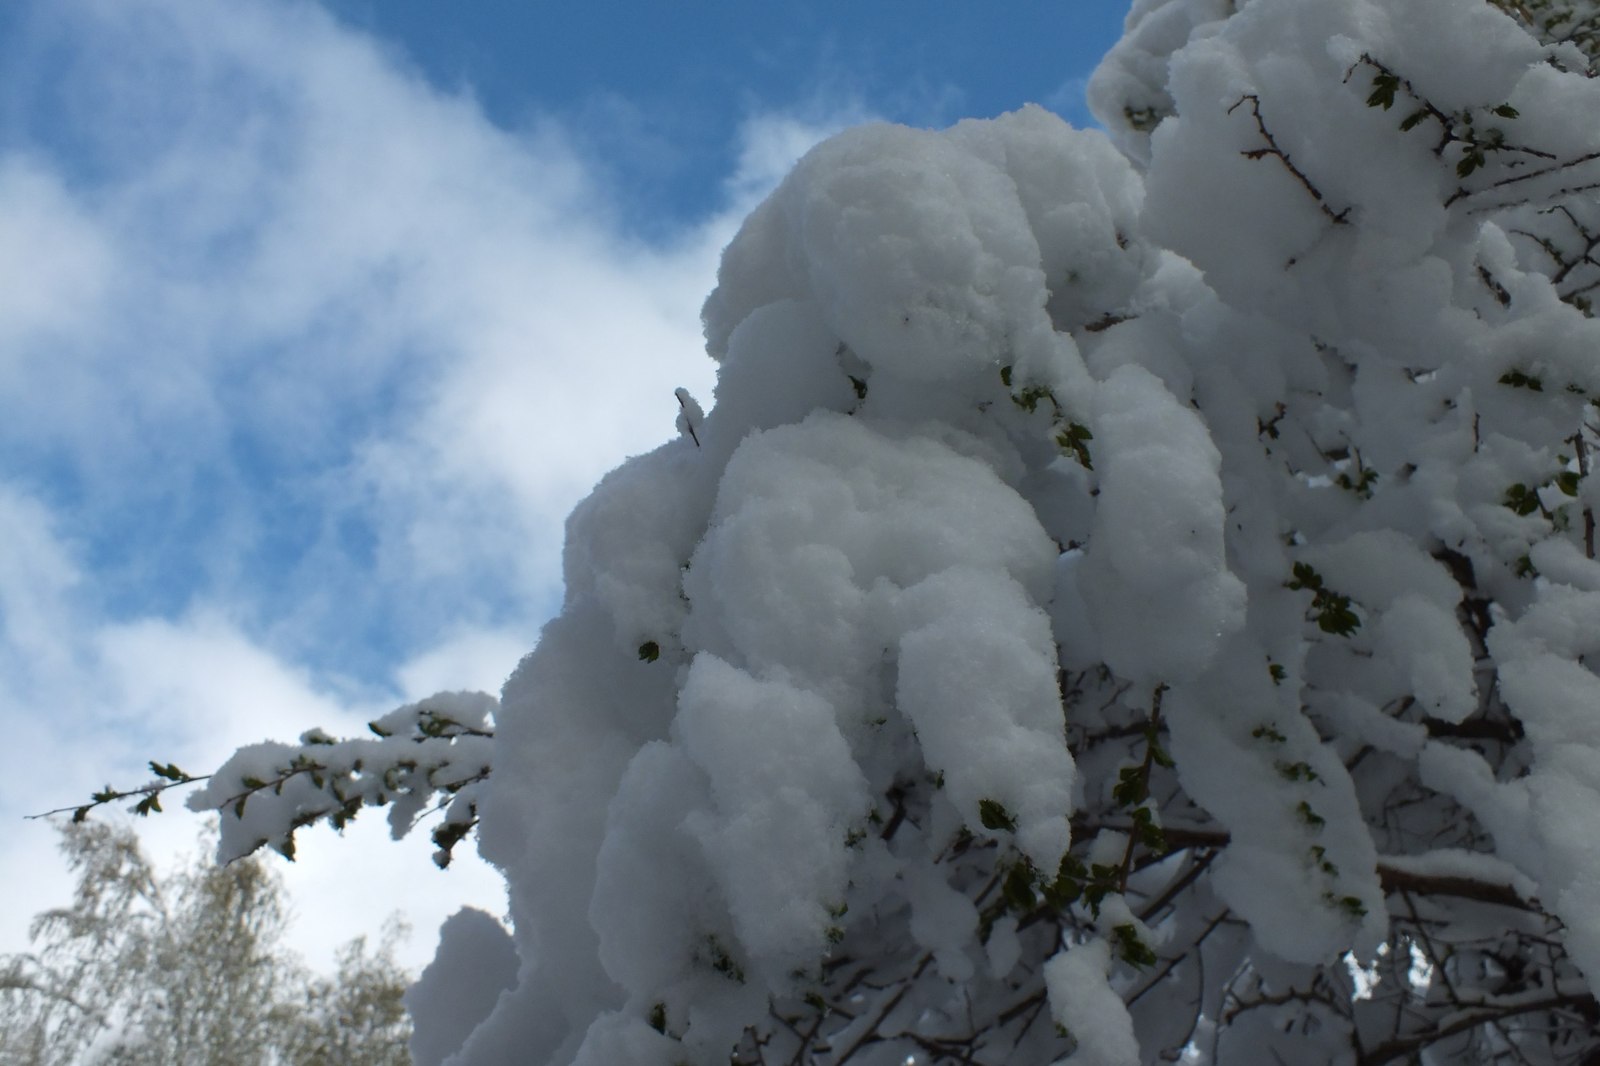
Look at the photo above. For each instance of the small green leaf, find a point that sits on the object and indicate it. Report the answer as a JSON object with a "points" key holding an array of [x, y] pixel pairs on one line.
{"points": [[1518, 380], [1073, 439], [1017, 888], [860, 386], [1131, 788], [1005, 376], [1334, 614], [1521, 499], [994, 816], [1567, 482], [1413, 120], [1384, 86], [1505, 111], [1268, 733], [1305, 577], [1028, 399], [1278, 672], [1296, 771], [658, 1018], [649, 651], [1130, 948], [168, 771], [1309, 816]]}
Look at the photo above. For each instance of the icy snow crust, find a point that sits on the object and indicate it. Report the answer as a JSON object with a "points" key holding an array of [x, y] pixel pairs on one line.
{"points": [[1226, 436]]}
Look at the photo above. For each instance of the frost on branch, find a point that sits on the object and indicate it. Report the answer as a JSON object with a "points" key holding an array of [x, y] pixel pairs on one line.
{"points": [[1126, 603]]}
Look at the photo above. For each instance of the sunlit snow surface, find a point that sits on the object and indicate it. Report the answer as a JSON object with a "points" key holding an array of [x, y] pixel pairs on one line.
{"points": [[1212, 424]]}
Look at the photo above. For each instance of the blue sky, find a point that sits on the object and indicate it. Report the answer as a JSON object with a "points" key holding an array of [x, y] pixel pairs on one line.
{"points": [[660, 90], [317, 318]]}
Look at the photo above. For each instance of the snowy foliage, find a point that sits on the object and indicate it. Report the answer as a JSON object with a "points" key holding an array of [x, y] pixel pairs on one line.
{"points": [[1132, 597]]}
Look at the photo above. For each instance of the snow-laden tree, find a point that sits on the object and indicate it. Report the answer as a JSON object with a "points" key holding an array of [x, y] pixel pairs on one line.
{"points": [[1133, 598], [188, 970]]}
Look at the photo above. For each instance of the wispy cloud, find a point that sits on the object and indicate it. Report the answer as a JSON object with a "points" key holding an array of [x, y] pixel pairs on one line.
{"points": [[303, 363]]}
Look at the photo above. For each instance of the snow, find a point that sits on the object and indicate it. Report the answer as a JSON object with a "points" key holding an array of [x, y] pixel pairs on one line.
{"points": [[1161, 595], [1228, 473], [1084, 1005], [475, 962]]}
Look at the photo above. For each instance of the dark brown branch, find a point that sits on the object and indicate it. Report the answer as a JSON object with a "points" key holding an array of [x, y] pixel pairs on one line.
{"points": [[1339, 218], [1392, 878]]}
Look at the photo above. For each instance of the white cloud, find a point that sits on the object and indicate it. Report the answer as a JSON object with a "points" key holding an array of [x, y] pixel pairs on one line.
{"points": [[104, 697], [302, 359], [53, 259]]}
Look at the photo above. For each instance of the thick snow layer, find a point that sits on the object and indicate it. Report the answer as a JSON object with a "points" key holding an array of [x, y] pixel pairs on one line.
{"points": [[476, 961], [1222, 484], [1161, 597], [1084, 1005]]}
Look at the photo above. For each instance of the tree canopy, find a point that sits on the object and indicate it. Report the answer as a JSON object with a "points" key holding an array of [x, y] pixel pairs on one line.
{"points": [[1133, 598], [189, 970]]}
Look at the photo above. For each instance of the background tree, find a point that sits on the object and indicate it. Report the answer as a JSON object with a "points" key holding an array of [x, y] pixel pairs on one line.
{"points": [[187, 971], [1134, 598]]}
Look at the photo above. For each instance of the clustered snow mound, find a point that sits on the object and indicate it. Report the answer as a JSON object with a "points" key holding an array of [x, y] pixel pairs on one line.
{"points": [[1234, 431], [857, 593]]}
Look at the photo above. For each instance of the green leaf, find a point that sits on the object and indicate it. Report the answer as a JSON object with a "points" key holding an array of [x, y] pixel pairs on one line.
{"points": [[1518, 380], [1567, 482], [1305, 577], [994, 816], [649, 651], [1521, 499], [1505, 111], [1005, 376], [1296, 771], [1336, 617], [1309, 816], [1072, 439], [1017, 888], [167, 771], [1130, 948], [1413, 120], [860, 386], [1278, 672], [1130, 788], [1268, 733], [1028, 399], [1384, 86]]}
